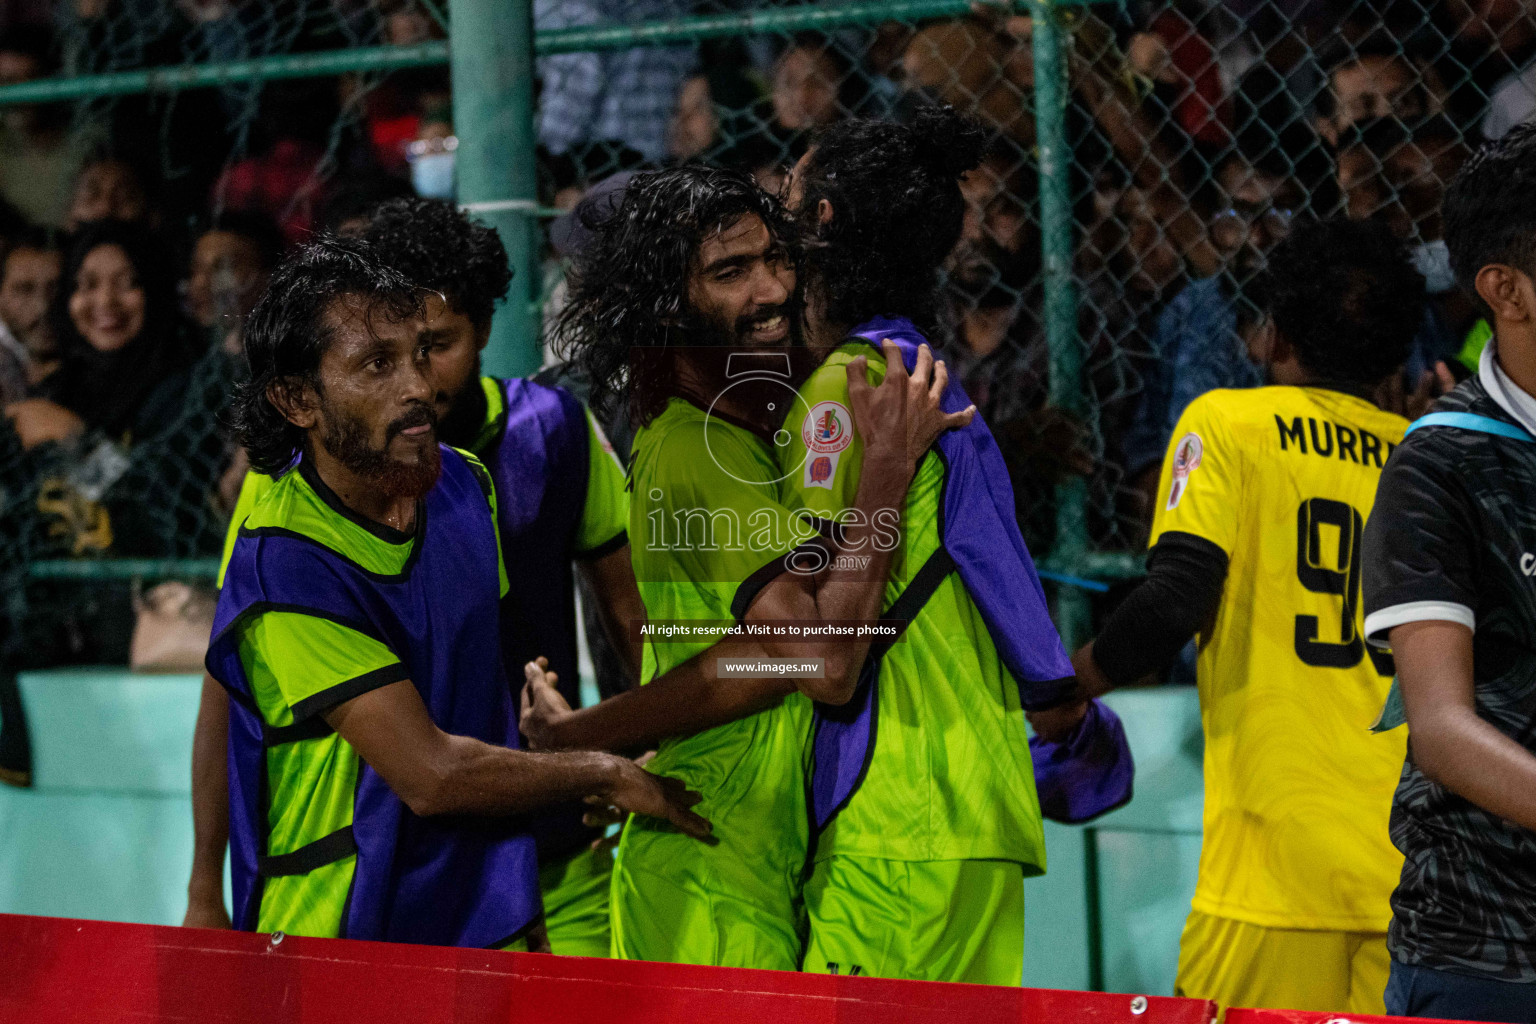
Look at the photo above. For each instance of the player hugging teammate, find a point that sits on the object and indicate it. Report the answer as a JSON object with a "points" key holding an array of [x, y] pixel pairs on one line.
{"points": [[800, 460]]}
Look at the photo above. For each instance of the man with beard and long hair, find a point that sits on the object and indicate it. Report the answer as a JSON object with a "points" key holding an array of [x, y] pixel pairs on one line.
{"points": [[922, 840], [562, 503], [686, 296], [376, 788]]}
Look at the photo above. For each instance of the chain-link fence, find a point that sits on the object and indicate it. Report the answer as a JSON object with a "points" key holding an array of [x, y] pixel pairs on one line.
{"points": [[1144, 157]]}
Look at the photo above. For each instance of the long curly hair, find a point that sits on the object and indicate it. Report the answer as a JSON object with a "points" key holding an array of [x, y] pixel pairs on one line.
{"points": [[628, 288], [897, 212], [444, 251], [287, 333]]}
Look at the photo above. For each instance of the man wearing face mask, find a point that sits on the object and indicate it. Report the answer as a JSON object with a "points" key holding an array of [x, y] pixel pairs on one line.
{"points": [[431, 155]]}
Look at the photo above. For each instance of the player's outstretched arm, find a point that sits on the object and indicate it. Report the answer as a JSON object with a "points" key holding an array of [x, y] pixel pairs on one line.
{"points": [[1451, 742], [210, 810], [435, 772], [687, 700], [899, 421]]}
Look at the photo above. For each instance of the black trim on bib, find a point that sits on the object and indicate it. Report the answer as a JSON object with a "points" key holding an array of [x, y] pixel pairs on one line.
{"points": [[339, 845], [604, 549], [766, 574], [354, 687], [309, 729], [906, 608]]}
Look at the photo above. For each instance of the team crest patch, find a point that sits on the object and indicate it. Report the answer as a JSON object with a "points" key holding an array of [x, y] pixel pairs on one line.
{"points": [[828, 429], [820, 469], [1186, 459]]}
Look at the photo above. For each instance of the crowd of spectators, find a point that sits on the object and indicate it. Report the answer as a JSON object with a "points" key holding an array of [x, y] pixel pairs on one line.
{"points": [[136, 232]]}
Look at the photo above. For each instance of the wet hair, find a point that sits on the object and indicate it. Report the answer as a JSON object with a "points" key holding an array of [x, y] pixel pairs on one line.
{"points": [[444, 251], [288, 332], [896, 212], [628, 292], [1345, 296], [1489, 216], [257, 228]]}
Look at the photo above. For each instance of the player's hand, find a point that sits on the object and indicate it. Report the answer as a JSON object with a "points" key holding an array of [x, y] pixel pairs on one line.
{"points": [[1056, 724], [634, 790], [603, 815], [543, 708], [1090, 678], [901, 417], [206, 913], [38, 421]]}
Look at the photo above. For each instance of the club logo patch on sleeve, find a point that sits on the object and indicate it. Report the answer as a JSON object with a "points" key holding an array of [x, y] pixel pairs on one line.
{"points": [[1186, 459], [820, 469], [827, 430]]}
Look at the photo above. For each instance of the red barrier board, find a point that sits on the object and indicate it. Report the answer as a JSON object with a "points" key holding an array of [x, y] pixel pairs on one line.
{"points": [[1311, 1017], [56, 970]]}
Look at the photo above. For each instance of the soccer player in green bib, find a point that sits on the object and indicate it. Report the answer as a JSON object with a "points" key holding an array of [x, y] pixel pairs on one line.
{"points": [[569, 506], [376, 786], [686, 297], [920, 861]]}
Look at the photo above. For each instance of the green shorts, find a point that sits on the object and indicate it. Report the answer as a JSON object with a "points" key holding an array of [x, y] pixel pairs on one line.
{"points": [[575, 891], [678, 900], [955, 920]]}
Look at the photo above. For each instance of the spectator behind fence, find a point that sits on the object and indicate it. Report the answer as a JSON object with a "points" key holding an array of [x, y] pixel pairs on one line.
{"points": [[1180, 67], [124, 350], [1398, 174], [984, 66], [814, 84], [622, 95], [710, 105], [40, 153], [1372, 78], [1505, 33], [231, 262], [29, 278], [995, 346], [1197, 345], [107, 188]]}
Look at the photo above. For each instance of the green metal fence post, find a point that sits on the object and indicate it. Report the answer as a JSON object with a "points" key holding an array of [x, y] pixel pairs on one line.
{"points": [[491, 52], [1060, 312]]}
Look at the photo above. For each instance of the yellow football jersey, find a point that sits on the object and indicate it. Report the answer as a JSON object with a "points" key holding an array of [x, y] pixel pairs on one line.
{"points": [[1297, 787]]}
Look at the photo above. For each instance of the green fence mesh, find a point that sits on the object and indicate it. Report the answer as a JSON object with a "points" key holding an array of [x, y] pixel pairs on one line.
{"points": [[1195, 133]]}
